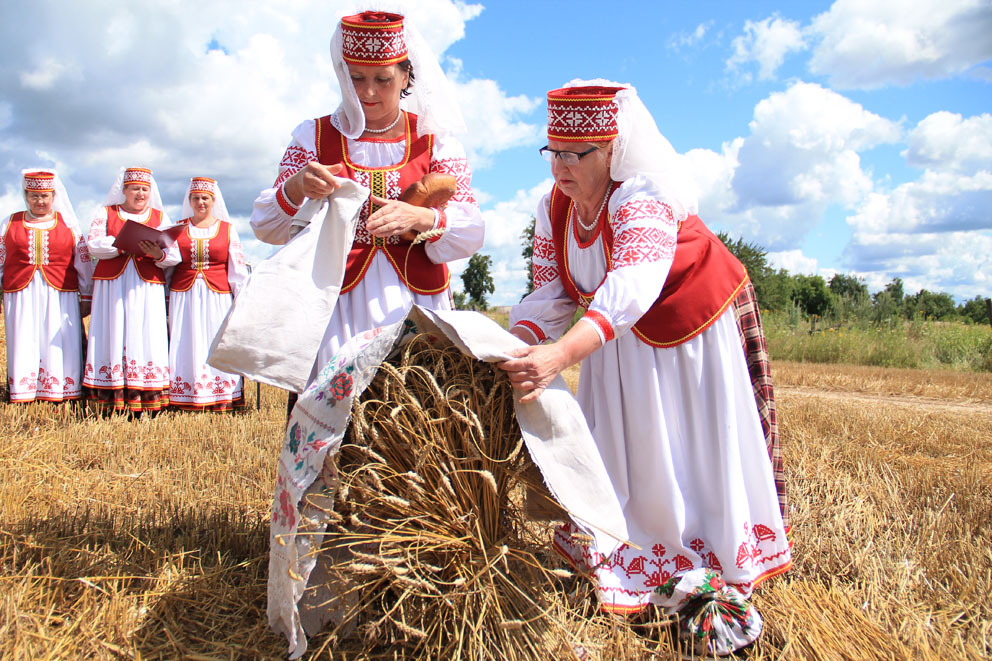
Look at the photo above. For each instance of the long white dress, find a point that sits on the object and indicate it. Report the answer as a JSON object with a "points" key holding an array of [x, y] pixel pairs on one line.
{"points": [[381, 297], [127, 354], [677, 427], [195, 316], [43, 328]]}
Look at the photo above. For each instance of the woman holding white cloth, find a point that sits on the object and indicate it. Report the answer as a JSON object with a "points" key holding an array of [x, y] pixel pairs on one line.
{"points": [[384, 144]]}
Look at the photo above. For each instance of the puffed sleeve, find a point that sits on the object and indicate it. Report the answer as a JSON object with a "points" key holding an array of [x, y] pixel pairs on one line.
{"points": [[237, 265], [83, 264], [3, 246], [465, 229], [547, 311], [645, 232], [272, 215], [100, 245]]}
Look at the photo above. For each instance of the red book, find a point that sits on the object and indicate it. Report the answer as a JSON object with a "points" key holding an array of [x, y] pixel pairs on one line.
{"points": [[133, 233]]}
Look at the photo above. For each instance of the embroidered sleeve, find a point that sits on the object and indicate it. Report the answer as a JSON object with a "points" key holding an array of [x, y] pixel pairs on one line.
{"points": [[3, 247], [101, 246], [293, 160], [644, 231], [465, 228], [272, 214], [237, 267], [84, 267]]}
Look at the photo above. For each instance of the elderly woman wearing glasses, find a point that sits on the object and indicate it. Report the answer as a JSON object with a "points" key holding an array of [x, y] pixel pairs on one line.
{"points": [[664, 383]]}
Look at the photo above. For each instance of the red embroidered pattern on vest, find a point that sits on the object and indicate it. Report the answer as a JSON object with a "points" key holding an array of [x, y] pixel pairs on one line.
{"points": [[457, 167], [543, 274], [292, 161]]}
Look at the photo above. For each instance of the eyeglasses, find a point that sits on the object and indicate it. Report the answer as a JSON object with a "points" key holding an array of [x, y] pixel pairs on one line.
{"points": [[569, 157]]}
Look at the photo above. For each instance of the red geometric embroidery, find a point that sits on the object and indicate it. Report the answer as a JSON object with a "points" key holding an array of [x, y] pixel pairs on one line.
{"points": [[544, 248], [657, 212], [294, 159], [642, 245], [463, 176], [543, 274]]}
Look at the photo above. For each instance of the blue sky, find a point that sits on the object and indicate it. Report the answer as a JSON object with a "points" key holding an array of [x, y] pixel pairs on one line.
{"points": [[845, 136]]}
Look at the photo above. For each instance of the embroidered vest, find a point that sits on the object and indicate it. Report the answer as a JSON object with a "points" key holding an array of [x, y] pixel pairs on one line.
{"points": [[30, 249], [703, 280], [410, 261], [109, 269], [203, 258]]}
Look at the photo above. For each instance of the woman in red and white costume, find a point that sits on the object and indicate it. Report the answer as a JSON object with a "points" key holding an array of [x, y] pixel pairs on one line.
{"points": [[209, 274], [664, 383], [385, 145], [45, 271], [127, 357]]}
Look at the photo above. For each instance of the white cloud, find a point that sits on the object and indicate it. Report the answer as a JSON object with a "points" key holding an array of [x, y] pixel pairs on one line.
{"points": [[689, 39], [871, 43], [793, 261], [946, 141], [766, 43]]}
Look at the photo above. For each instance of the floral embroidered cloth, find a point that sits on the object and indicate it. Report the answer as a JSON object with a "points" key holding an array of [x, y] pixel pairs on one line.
{"points": [[553, 428]]}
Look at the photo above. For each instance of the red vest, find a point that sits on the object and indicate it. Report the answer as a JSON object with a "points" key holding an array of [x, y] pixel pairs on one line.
{"points": [[30, 249], [703, 280], [108, 269], [203, 258], [410, 261]]}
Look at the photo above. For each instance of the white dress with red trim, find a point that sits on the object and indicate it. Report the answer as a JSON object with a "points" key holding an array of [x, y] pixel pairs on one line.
{"points": [[196, 314], [380, 297], [43, 328], [677, 427], [128, 343]]}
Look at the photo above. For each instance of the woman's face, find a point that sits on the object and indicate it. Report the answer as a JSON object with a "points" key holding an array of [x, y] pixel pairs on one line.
{"points": [[202, 204], [587, 177], [379, 90], [136, 197], [40, 203]]}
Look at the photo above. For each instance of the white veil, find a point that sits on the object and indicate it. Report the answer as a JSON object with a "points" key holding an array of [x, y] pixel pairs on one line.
{"points": [[432, 98], [61, 202], [220, 209], [641, 149]]}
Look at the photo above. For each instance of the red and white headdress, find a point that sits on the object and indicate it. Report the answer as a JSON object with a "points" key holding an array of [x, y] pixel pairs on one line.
{"points": [[583, 114], [202, 185], [379, 39], [373, 38], [137, 176], [39, 182]]}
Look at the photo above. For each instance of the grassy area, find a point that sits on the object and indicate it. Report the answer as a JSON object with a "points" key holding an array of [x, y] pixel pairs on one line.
{"points": [[905, 344]]}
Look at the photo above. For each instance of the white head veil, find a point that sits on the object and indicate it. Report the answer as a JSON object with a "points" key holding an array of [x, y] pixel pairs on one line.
{"points": [[432, 97], [61, 202], [219, 211], [116, 195], [641, 149]]}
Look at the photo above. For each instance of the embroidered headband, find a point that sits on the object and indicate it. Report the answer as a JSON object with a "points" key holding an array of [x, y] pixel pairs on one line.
{"points": [[39, 182], [373, 38], [137, 176], [203, 185], [584, 114]]}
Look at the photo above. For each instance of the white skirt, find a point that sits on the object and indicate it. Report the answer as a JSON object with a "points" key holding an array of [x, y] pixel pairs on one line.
{"points": [[680, 436], [194, 318], [128, 343], [44, 336], [379, 299]]}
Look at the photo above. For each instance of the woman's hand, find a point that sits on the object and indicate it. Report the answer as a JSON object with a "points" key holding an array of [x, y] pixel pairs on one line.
{"points": [[534, 368], [152, 249], [395, 218], [314, 181]]}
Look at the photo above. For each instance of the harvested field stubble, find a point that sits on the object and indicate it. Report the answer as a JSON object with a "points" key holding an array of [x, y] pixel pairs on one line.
{"points": [[147, 539]]}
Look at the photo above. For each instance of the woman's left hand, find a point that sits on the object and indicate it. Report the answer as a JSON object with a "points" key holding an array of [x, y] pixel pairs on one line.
{"points": [[152, 249], [395, 218]]}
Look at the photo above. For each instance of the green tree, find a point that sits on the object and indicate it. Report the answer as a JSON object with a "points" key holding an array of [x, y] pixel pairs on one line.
{"points": [[848, 286], [810, 293], [755, 260], [477, 281], [975, 310], [527, 241], [930, 305], [776, 290]]}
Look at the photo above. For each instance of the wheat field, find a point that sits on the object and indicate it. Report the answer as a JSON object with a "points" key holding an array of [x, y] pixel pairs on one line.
{"points": [[147, 538]]}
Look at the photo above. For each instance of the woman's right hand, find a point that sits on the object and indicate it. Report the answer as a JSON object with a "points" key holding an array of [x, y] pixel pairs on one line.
{"points": [[314, 181]]}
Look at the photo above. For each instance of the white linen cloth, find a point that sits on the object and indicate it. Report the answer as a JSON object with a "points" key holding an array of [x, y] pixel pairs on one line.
{"points": [[676, 427], [552, 427], [273, 331], [381, 297], [195, 316], [128, 343], [43, 328]]}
